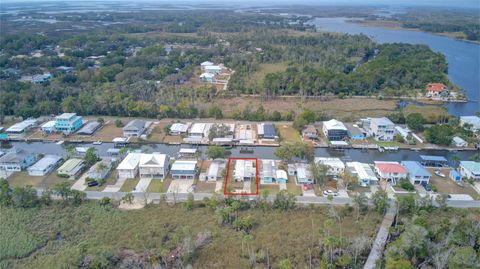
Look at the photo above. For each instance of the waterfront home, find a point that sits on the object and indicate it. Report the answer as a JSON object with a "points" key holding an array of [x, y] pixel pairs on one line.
{"points": [[281, 176], [128, 168], [16, 160], [404, 132], [354, 132], [21, 127], [335, 130], [81, 151], [382, 129], [471, 122], [244, 170], [198, 129], [433, 161], [437, 90], [184, 169], [71, 167], [44, 166], [119, 142], [244, 134], [363, 172], [470, 169], [101, 169], [68, 123], [266, 131], [189, 153], [134, 128], [207, 77], [214, 171], [154, 165], [417, 174], [335, 165], [178, 129], [303, 174], [390, 171], [268, 171], [459, 142], [455, 176], [205, 64], [48, 127], [90, 128], [310, 132]]}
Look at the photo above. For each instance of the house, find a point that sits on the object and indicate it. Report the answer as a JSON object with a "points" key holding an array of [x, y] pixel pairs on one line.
{"points": [[128, 168], [66, 69], [120, 142], [310, 132], [363, 172], [21, 127], [335, 130], [68, 123], [244, 133], [101, 169], [390, 171], [44, 166], [433, 161], [207, 77], [470, 169], [213, 69], [90, 128], [214, 171], [16, 160], [382, 129], [178, 129], [71, 167], [455, 176], [303, 174], [459, 142], [268, 172], [244, 170], [403, 132], [200, 129], [335, 165], [437, 90], [354, 132], [266, 131], [281, 176], [184, 169], [39, 79], [187, 153], [48, 127], [81, 151], [134, 128], [417, 174], [154, 165], [473, 122], [205, 64]]}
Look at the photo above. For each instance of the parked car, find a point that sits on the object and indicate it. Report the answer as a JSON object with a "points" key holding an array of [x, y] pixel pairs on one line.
{"points": [[439, 173], [330, 192], [92, 183], [307, 187], [426, 186]]}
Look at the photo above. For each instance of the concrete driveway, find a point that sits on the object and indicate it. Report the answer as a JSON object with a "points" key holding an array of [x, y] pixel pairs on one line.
{"points": [[80, 184], [180, 185], [282, 186], [142, 185], [115, 187], [219, 187]]}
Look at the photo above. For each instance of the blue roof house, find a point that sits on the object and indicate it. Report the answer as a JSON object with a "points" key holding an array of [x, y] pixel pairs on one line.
{"points": [[417, 174], [455, 176], [433, 161], [68, 123]]}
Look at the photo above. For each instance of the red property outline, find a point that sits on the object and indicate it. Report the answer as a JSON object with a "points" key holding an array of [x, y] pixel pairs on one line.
{"points": [[242, 193]]}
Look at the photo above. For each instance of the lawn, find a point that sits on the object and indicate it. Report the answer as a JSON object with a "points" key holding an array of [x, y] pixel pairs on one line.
{"points": [[64, 237], [129, 185], [21, 179], [258, 76], [431, 113], [271, 188], [446, 185], [288, 133], [159, 186]]}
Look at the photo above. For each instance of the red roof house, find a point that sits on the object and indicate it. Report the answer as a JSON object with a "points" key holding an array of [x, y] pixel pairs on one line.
{"points": [[436, 89], [391, 171]]}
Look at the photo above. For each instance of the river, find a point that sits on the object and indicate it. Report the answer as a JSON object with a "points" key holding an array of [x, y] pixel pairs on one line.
{"points": [[463, 57], [367, 156]]}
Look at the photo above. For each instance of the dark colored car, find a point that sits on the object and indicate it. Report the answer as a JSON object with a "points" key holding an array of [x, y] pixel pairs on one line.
{"points": [[427, 186], [92, 183]]}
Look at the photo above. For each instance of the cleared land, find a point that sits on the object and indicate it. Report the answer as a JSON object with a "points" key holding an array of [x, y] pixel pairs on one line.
{"points": [[22, 179]]}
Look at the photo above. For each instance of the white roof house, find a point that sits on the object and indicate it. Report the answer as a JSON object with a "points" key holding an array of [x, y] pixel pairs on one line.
{"points": [[364, 172], [48, 126], [198, 129], [22, 126], [215, 169], [213, 69], [335, 165], [187, 151], [459, 142], [128, 168], [153, 165], [178, 128], [334, 124], [44, 166], [206, 63], [474, 121], [244, 170]]}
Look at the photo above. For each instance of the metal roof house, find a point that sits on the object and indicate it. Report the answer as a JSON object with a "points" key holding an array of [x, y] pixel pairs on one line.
{"points": [[303, 174], [213, 69], [101, 169], [16, 160], [455, 176], [459, 142], [335, 165], [134, 128], [199, 129], [473, 121], [128, 168], [89, 128], [266, 131], [178, 129], [382, 129], [21, 127], [244, 170], [364, 173], [417, 174], [48, 127], [335, 130], [268, 172], [68, 123], [433, 161], [214, 171], [44, 166], [470, 169], [71, 167], [154, 166], [184, 169]]}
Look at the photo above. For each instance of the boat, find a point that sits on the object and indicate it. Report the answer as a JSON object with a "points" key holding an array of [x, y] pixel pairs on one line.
{"points": [[391, 148], [245, 150], [60, 142], [97, 142], [440, 174]]}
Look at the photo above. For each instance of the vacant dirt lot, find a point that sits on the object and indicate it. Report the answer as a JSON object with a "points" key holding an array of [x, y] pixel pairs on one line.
{"points": [[446, 185]]}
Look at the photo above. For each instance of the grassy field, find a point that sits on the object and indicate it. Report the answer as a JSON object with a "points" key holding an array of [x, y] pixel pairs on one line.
{"points": [[431, 113], [158, 185], [66, 237], [288, 133], [257, 77], [129, 184], [21, 179]]}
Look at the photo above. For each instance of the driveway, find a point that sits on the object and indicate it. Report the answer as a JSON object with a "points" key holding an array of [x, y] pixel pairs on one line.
{"points": [[282, 186], [421, 190], [115, 187], [80, 184], [247, 186], [219, 186], [180, 185], [142, 185]]}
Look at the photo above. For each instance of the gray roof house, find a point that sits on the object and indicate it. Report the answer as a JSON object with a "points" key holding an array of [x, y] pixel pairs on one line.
{"points": [[134, 128], [16, 160]]}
